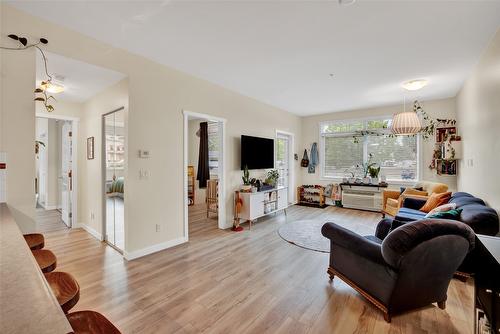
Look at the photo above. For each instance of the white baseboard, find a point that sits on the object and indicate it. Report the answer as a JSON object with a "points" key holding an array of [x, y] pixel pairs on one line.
{"points": [[153, 249], [90, 230]]}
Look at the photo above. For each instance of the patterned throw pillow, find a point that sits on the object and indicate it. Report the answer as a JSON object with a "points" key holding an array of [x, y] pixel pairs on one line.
{"points": [[435, 200], [442, 208], [451, 214]]}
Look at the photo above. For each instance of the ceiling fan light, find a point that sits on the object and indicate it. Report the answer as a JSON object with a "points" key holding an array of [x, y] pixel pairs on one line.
{"points": [[406, 123]]}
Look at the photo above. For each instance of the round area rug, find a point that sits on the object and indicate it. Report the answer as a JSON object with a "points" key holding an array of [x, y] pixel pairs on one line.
{"points": [[306, 234]]}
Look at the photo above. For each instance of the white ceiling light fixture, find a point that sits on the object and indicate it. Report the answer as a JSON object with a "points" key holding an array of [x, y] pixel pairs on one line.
{"points": [[53, 88], [346, 2], [406, 123], [415, 84]]}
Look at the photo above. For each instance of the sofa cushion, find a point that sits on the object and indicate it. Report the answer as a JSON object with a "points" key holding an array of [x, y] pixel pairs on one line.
{"points": [[482, 219], [409, 215], [462, 198]]}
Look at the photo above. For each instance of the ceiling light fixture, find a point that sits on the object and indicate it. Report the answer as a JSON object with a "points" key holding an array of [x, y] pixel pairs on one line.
{"points": [[346, 2], [415, 84], [53, 88]]}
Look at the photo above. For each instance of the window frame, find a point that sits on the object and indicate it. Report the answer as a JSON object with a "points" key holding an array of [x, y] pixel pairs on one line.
{"points": [[365, 121]]}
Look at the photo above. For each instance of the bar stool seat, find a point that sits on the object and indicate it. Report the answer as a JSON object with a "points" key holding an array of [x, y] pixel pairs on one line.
{"points": [[34, 240], [90, 322], [45, 259], [65, 288]]}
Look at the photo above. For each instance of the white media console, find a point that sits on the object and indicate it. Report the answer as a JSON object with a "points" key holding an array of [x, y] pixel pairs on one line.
{"points": [[263, 203]]}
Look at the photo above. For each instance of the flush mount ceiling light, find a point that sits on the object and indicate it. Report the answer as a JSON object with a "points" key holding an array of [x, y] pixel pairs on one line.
{"points": [[52, 88], [346, 2], [415, 84]]}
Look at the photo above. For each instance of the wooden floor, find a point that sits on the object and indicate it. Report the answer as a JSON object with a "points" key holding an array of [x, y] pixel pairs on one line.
{"points": [[246, 282]]}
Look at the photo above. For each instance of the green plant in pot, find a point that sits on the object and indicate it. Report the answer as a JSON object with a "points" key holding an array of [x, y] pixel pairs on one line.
{"points": [[272, 177], [374, 172], [246, 179]]}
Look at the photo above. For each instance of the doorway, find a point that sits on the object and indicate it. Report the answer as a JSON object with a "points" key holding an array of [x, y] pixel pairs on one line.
{"points": [[56, 170], [114, 162], [204, 172], [284, 162]]}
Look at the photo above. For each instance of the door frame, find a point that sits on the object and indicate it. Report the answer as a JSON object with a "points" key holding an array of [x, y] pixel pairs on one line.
{"points": [[74, 157], [222, 223], [103, 181], [291, 165]]}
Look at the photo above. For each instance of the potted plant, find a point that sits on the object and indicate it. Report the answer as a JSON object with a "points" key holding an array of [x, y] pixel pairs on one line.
{"points": [[247, 186], [374, 172], [272, 177]]}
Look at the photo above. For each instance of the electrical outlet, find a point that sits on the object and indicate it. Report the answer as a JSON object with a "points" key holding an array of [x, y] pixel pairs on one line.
{"points": [[157, 227], [92, 216]]}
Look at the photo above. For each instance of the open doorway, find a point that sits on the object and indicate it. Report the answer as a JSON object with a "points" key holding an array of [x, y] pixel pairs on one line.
{"points": [[56, 170], [204, 172], [114, 162], [284, 162]]}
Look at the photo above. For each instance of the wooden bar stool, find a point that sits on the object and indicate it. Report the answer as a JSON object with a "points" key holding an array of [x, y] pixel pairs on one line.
{"points": [[90, 322], [45, 259], [65, 288], [34, 240]]}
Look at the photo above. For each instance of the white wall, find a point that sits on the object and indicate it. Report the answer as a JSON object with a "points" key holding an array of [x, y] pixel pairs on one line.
{"points": [[54, 153], [478, 109], [438, 109], [157, 96]]}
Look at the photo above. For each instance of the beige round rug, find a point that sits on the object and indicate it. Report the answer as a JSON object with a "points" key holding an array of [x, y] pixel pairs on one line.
{"points": [[306, 234]]}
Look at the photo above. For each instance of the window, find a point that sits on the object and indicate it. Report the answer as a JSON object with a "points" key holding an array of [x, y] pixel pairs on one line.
{"points": [[346, 145], [213, 149]]}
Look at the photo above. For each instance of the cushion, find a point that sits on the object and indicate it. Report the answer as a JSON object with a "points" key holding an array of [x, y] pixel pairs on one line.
{"points": [[450, 214], [409, 215], [392, 202], [435, 200], [442, 208]]}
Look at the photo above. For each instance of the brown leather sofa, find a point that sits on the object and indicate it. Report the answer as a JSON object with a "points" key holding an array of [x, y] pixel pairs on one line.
{"points": [[412, 267]]}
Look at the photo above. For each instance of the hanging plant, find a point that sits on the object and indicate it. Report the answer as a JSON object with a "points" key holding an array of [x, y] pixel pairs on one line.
{"points": [[40, 93]]}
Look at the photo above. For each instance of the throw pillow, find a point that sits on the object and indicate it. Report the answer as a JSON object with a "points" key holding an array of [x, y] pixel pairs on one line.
{"points": [[450, 214], [435, 200], [442, 208]]}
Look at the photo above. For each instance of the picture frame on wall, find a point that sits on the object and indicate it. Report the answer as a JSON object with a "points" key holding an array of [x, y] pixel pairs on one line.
{"points": [[90, 148]]}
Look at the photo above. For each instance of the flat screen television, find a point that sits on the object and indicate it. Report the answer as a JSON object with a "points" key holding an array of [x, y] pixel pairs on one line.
{"points": [[257, 153]]}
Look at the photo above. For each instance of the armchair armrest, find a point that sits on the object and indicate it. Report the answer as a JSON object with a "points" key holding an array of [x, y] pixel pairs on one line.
{"points": [[414, 202], [389, 194], [353, 242]]}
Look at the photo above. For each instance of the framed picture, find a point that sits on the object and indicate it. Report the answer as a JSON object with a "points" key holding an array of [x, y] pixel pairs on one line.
{"points": [[90, 148]]}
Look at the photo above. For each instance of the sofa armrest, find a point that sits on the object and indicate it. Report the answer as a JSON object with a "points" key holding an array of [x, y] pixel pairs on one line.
{"points": [[353, 242], [383, 228], [414, 202]]}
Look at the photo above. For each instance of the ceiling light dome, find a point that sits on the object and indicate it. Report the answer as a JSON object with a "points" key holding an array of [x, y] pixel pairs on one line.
{"points": [[52, 87], [346, 2], [406, 123], [415, 84]]}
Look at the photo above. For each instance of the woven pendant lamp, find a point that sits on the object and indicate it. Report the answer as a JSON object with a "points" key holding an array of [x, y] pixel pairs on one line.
{"points": [[406, 123]]}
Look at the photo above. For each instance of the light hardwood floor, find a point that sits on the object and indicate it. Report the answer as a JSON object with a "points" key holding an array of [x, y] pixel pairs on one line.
{"points": [[246, 282]]}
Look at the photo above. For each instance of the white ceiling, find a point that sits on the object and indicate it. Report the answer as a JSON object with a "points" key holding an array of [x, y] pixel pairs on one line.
{"points": [[80, 80], [282, 52]]}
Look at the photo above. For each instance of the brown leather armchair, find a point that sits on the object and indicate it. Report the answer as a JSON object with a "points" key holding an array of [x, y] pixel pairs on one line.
{"points": [[411, 268]]}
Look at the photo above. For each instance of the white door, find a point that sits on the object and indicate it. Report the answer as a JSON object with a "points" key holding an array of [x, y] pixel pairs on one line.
{"points": [[282, 159], [66, 172]]}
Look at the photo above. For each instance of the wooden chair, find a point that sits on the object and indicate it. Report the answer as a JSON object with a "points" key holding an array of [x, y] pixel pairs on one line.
{"points": [[90, 322], [34, 240], [212, 198], [65, 288]]}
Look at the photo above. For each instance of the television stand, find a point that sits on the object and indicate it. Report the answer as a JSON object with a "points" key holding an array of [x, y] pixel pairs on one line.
{"points": [[262, 203]]}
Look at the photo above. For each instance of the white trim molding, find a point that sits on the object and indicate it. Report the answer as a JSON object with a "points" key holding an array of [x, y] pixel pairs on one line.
{"points": [[89, 229], [153, 249]]}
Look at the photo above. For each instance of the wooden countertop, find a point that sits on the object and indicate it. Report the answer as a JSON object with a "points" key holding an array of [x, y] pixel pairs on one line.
{"points": [[27, 304]]}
